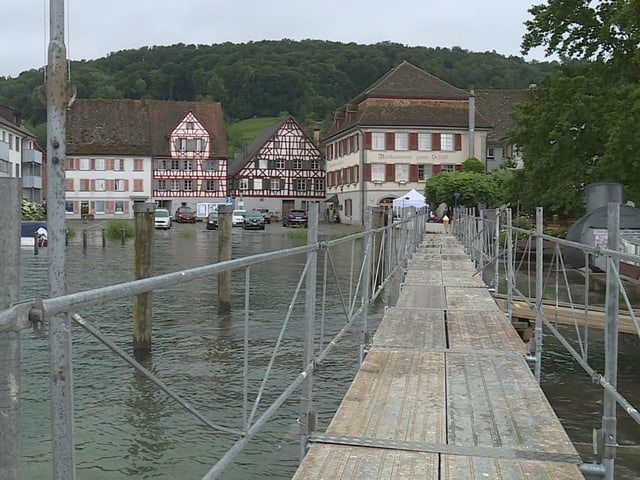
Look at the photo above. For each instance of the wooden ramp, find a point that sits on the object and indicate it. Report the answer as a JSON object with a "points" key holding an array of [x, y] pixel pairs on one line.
{"points": [[444, 392]]}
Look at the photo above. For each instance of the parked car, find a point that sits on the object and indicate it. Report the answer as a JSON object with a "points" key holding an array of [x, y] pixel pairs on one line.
{"points": [[212, 221], [185, 215], [162, 219], [295, 218], [238, 218], [265, 214], [253, 220]]}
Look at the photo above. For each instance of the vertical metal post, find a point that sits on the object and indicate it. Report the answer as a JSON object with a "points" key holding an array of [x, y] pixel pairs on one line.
{"points": [[225, 227], [366, 275], [496, 273], [539, 293], [143, 214], [60, 360], [10, 341], [510, 278], [307, 416], [609, 421]]}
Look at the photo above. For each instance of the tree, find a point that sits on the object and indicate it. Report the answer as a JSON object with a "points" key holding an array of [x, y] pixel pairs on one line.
{"points": [[473, 188], [472, 164], [579, 128]]}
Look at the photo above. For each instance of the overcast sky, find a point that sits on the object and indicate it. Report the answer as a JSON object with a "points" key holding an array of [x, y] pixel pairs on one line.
{"points": [[96, 28]]}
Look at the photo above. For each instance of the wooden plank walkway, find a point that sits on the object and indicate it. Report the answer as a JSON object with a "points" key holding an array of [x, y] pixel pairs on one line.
{"points": [[444, 392]]}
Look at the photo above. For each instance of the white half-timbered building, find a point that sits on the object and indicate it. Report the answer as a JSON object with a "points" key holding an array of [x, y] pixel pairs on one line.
{"points": [[173, 153], [281, 169]]}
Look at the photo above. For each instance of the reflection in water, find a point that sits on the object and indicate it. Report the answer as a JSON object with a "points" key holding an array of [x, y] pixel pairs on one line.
{"points": [[128, 429]]}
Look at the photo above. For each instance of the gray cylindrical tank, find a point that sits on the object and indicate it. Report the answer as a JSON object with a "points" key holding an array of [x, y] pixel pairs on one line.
{"points": [[598, 195]]}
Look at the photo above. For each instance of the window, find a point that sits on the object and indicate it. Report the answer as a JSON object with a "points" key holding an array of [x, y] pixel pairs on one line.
{"points": [[447, 167], [211, 165], [100, 185], [300, 184], [257, 184], [211, 185], [198, 145], [118, 165], [68, 185], [377, 141], [424, 172], [188, 185], [280, 164], [68, 207], [11, 141], [377, 172], [244, 184], [189, 125], [138, 185], [297, 163], [175, 165], [491, 152], [174, 185], [401, 141], [402, 172], [182, 144], [263, 163], [275, 185], [17, 144], [188, 165], [315, 164], [100, 206], [84, 164], [119, 206], [162, 164], [100, 164], [424, 141], [119, 185], [318, 185], [138, 165], [446, 142], [162, 184]]}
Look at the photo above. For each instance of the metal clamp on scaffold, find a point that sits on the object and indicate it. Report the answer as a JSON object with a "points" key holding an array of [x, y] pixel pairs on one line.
{"points": [[36, 317]]}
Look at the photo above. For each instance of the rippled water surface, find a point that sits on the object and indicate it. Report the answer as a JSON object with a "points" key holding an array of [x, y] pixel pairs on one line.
{"points": [[127, 428]]}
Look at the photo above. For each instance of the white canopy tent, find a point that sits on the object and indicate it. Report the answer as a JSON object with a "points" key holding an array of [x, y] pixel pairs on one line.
{"points": [[410, 199]]}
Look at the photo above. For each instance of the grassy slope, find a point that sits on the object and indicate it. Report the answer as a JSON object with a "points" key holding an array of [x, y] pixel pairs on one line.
{"points": [[244, 131]]}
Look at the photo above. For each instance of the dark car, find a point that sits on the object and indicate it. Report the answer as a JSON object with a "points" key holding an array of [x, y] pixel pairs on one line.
{"points": [[185, 215], [212, 221], [253, 220], [295, 218], [265, 214]]}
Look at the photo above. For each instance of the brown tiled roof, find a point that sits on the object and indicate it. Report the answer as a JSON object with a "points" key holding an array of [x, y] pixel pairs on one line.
{"points": [[407, 96], [497, 107], [425, 113], [408, 81], [137, 127]]}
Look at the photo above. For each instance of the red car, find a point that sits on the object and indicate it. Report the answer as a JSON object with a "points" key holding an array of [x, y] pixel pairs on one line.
{"points": [[185, 215]]}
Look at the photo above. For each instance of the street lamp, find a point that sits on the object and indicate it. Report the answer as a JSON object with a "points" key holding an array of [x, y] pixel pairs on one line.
{"points": [[456, 196]]}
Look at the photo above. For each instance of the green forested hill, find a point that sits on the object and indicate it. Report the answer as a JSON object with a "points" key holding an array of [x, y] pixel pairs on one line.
{"points": [[308, 79]]}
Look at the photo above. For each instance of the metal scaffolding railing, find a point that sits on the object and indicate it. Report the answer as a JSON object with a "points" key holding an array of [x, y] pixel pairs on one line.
{"points": [[507, 253], [382, 254]]}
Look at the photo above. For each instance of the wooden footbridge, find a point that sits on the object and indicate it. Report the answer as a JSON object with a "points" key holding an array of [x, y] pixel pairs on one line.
{"points": [[445, 391]]}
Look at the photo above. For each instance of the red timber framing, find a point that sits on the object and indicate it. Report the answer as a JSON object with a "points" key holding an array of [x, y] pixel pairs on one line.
{"points": [[286, 164], [189, 171]]}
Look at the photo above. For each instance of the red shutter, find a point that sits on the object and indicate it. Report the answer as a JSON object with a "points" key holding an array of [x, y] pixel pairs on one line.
{"points": [[109, 206], [413, 172], [93, 164], [390, 172], [69, 185], [457, 167], [92, 186], [389, 141], [68, 163], [366, 173], [435, 141], [458, 141], [367, 140], [413, 141], [436, 168]]}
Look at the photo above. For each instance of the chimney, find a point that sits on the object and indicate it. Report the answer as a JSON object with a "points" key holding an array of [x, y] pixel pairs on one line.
{"points": [[316, 133]]}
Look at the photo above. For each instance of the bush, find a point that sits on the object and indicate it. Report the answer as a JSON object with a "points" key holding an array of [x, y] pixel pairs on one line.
{"points": [[115, 228]]}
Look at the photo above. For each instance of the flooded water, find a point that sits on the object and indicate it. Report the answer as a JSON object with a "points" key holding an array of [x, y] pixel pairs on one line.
{"points": [[126, 428]]}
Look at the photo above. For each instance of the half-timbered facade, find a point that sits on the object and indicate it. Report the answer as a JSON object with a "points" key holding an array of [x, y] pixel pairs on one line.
{"points": [[173, 153], [281, 169], [406, 127]]}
